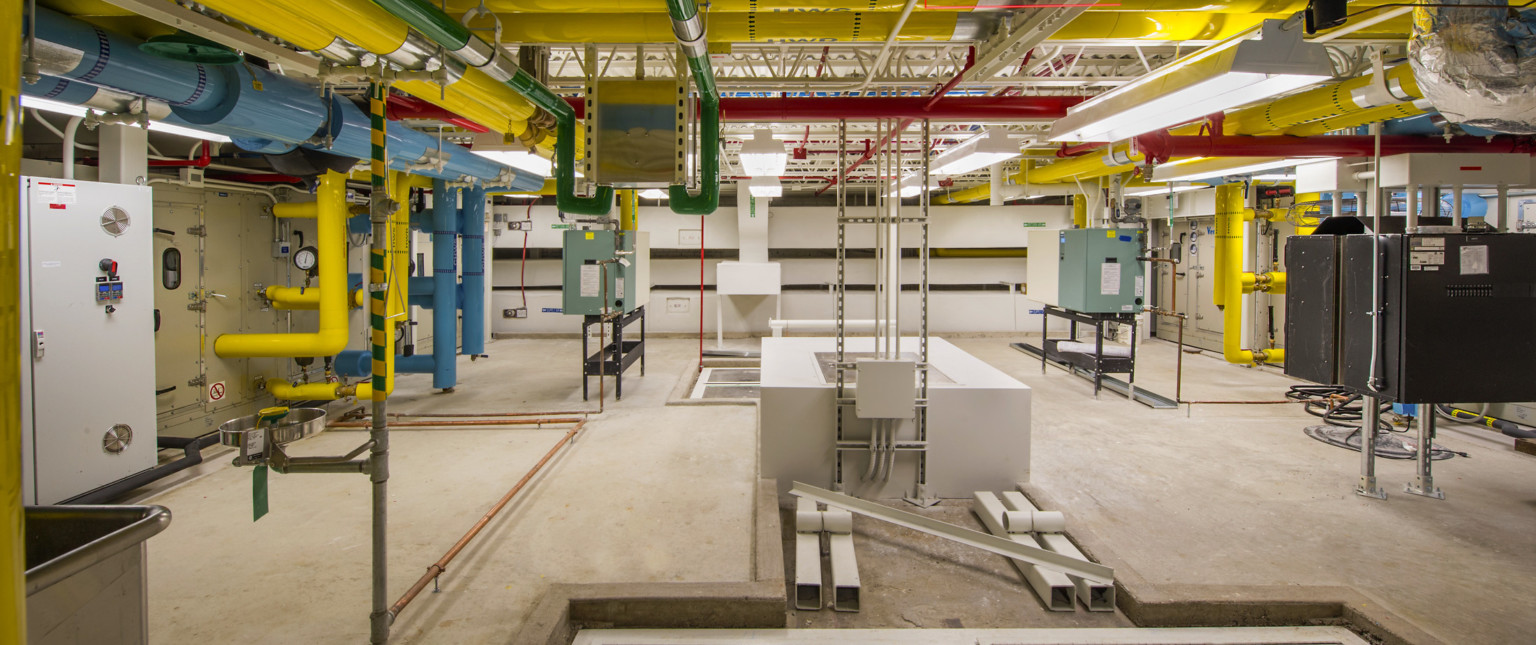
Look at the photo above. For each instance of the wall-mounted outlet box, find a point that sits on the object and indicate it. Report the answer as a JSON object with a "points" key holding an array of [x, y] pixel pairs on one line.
{"points": [[515, 312], [520, 225], [679, 305], [690, 237]]}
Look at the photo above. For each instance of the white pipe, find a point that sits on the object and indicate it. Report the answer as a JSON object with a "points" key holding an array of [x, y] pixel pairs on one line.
{"points": [[890, 40], [780, 326], [69, 146]]}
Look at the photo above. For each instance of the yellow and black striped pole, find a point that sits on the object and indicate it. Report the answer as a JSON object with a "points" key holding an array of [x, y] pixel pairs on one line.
{"points": [[380, 209]]}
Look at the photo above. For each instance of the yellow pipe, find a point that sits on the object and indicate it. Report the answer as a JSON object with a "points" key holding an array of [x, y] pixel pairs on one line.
{"points": [[629, 207], [1231, 215], [303, 210], [1324, 102], [1355, 119], [285, 391], [1232, 282], [454, 100], [330, 243], [277, 21], [855, 26], [773, 6], [295, 298], [1079, 211], [360, 22], [398, 264], [13, 599]]}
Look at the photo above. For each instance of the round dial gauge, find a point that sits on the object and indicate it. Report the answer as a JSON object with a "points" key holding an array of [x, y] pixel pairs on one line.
{"points": [[305, 258]]}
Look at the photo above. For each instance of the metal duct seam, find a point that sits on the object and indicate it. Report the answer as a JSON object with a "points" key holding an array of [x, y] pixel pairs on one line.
{"points": [[1477, 66]]}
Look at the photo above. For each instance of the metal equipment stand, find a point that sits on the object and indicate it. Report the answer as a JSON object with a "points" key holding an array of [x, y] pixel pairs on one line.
{"points": [[1425, 484], [1368, 430], [616, 356], [1098, 364]]}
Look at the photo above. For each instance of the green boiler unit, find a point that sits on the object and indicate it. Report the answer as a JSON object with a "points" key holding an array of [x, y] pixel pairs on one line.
{"points": [[1099, 272]]}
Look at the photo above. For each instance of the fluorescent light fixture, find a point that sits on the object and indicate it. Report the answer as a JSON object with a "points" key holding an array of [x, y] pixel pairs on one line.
{"points": [[1209, 168], [1153, 191], [765, 187], [180, 130], [763, 156], [52, 106], [1248, 67], [980, 151], [154, 126], [654, 193], [519, 159], [910, 187]]}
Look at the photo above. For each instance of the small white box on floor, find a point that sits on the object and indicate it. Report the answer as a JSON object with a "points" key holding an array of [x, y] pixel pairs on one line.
{"points": [[978, 422]]}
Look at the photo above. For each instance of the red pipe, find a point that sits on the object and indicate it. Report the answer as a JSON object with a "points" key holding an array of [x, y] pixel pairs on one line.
{"points": [[869, 152], [406, 107], [259, 178], [970, 59], [1160, 147], [201, 161], [1077, 149], [959, 108]]}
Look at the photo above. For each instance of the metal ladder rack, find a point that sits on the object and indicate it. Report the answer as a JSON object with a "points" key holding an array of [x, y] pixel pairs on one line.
{"points": [[888, 287]]}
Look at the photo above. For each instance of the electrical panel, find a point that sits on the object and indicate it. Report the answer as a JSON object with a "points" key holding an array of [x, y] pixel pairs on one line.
{"points": [[1455, 316], [599, 263], [87, 309], [1098, 270]]}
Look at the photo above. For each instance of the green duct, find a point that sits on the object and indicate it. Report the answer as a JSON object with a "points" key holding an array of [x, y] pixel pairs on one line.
{"points": [[440, 28], [690, 34]]}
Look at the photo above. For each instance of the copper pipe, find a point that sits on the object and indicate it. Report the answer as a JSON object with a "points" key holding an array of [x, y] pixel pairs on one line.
{"points": [[441, 566], [460, 422]]}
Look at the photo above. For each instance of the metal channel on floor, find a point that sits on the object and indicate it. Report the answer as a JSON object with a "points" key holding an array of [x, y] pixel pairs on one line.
{"points": [[1081, 636], [1140, 395]]}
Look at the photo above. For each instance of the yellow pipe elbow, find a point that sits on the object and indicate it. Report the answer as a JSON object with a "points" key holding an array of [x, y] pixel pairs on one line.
{"points": [[1276, 282], [331, 338]]}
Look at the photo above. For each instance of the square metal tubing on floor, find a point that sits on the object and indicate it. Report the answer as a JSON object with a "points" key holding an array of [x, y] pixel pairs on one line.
{"points": [[807, 555], [1095, 595], [1054, 588]]}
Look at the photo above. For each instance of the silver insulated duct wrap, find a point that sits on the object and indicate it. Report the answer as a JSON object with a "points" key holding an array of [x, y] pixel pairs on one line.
{"points": [[1477, 66]]}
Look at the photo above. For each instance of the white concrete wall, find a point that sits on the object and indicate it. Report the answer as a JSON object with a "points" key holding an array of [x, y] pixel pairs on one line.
{"points": [[793, 228]]}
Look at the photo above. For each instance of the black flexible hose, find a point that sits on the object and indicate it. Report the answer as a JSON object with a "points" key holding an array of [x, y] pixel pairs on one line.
{"points": [[1509, 428]]}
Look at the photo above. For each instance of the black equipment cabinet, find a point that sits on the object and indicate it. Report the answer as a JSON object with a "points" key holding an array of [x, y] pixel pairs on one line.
{"points": [[1458, 315]]}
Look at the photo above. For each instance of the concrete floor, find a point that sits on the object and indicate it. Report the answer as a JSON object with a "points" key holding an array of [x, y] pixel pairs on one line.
{"points": [[1220, 495], [647, 493], [1237, 495]]}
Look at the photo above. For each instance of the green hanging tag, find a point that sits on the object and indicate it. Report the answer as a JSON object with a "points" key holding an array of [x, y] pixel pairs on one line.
{"points": [[258, 492]]}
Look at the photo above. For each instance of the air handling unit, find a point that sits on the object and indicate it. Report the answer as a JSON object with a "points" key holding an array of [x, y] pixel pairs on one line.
{"points": [[1099, 271]]}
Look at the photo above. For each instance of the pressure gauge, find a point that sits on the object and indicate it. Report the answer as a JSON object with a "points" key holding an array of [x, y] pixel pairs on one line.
{"points": [[305, 258]]}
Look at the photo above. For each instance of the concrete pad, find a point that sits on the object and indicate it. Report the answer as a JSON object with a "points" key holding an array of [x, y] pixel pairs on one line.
{"points": [[647, 493], [1212, 502]]}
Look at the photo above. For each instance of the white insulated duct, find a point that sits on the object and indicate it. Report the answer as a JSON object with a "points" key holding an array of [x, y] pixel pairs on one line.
{"points": [[1477, 65]]}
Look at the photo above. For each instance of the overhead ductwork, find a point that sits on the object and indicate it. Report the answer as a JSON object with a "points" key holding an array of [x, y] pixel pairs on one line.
{"points": [[1477, 65]]}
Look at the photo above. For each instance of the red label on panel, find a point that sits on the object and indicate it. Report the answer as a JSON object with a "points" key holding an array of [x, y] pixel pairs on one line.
{"points": [[1471, 167], [57, 207]]}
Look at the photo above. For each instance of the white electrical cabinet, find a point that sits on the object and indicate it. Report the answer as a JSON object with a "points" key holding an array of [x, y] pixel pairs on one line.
{"points": [[88, 321]]}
